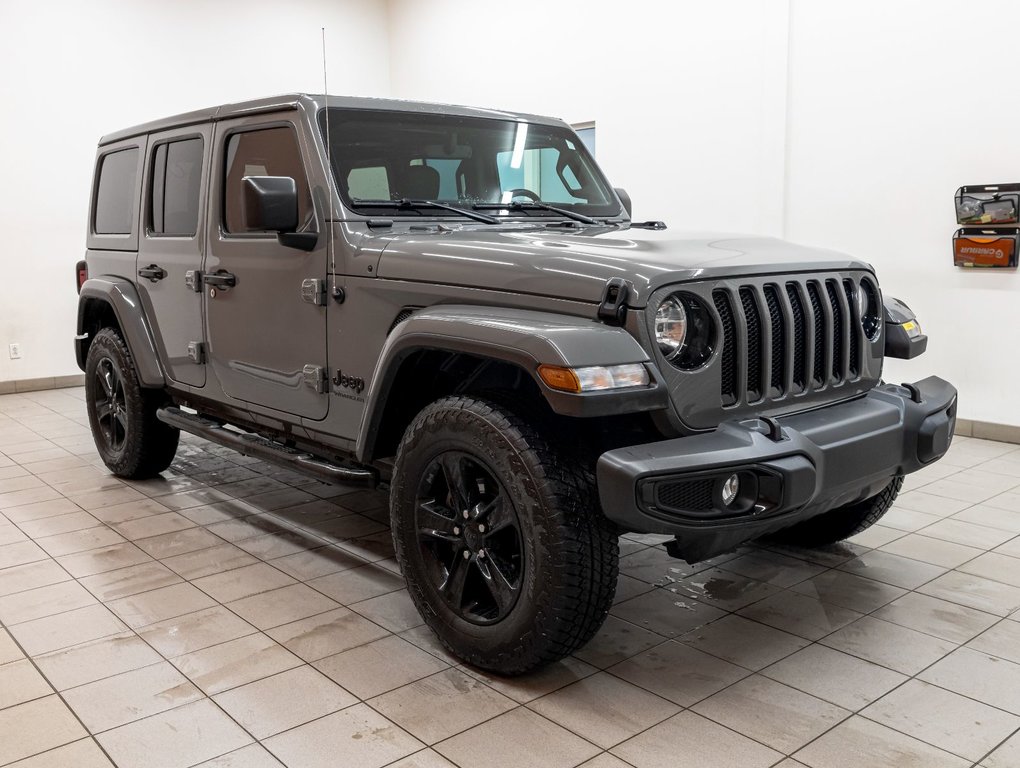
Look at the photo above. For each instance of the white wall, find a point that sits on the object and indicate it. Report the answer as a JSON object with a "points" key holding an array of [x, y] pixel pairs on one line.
{"points": [[73, 71], [892, 106], [682, 90]]}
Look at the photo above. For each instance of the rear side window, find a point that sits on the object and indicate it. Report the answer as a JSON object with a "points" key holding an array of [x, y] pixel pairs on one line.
{"points": [[115, 193], [265, 152], [176, 179]]}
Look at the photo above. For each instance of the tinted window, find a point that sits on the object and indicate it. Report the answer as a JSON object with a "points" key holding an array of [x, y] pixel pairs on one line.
{"points": [[176, 177], [267, 152], [118, 177]]}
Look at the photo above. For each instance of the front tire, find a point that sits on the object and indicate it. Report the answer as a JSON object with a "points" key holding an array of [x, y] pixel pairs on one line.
{"points": [[132, 442], [500, 538], [843, 522]]}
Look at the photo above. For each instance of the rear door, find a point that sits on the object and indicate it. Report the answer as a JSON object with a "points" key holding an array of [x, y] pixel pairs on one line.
{"points": [[172, 245], [261, 333]]}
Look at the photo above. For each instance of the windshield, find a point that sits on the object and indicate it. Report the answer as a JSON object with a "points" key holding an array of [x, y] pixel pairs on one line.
{"points": [[383, 157]]}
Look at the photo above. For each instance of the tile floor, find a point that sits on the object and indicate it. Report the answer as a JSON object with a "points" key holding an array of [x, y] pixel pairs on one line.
{"points": [[233, 614]]}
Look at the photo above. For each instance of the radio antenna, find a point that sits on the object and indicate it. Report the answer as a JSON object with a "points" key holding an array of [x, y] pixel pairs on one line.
{"points": [[329, 174]]}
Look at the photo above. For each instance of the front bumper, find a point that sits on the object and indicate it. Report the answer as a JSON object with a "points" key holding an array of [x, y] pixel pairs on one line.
{"points": [[788, 469]]}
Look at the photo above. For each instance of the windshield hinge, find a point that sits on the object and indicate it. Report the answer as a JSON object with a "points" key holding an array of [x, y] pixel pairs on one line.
{"points": [[613, 307]]}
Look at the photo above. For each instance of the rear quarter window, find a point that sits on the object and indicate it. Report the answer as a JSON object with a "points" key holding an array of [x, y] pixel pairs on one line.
{"points": [[115, 193]]}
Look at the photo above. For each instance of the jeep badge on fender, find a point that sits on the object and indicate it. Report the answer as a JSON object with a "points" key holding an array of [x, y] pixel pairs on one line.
{"points": [[541, 372], [348, 382]]}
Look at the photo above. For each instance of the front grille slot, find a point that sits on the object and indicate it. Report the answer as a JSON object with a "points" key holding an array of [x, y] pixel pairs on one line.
{"points": [[799, 338], [796, 337], [855, 324], [779, 361], [818, 369], [755, 346], [837, 332], [728, 384]]}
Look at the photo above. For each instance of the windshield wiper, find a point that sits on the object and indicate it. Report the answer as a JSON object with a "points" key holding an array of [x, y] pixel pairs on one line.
{"points": [[518, 206], [406, 204]]}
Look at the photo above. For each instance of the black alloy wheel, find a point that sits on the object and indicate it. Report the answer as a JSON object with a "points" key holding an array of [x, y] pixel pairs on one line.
{"points": [[110, 406], [498, 533], [130, 438], [470, 538]]}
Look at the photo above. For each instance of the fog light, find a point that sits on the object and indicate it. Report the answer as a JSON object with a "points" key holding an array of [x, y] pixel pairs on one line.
{"points": [[730, 489]]}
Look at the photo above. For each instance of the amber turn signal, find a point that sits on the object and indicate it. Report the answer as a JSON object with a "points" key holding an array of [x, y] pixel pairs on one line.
{"points": [[563, 379]]}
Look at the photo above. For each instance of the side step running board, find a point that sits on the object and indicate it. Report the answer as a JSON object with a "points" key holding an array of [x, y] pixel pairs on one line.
{"points": [[250, 444]]}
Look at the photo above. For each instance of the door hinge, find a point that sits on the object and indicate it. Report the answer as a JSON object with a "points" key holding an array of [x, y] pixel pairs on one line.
{"points": [[313, 291], [315, 377], [196, 352], [193, 279]]}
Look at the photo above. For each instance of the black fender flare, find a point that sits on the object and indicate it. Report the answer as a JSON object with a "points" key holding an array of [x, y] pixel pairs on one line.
{"points": [[523, 338], [122, 297]]}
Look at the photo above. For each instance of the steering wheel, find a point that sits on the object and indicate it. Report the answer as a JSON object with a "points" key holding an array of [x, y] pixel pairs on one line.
{"points": [[522, 192]]}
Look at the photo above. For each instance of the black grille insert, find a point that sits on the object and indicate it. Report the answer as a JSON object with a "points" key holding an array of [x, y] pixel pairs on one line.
{"points": [[818, 368], [755, 347], [855, 325], [799, 337], [837, 331], [776, 385], [729, 348]]}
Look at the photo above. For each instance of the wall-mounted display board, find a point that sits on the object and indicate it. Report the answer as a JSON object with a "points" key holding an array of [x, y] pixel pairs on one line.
{"points": [[989, 236]]}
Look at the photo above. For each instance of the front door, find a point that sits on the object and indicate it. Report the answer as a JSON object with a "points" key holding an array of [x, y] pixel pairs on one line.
{"points": [[262, 334], [171, 246]]}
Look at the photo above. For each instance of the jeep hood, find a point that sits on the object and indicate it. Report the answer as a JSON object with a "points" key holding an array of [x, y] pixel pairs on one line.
{"points": [[577, 265]]}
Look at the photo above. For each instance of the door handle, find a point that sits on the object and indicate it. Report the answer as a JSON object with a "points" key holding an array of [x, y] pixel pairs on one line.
{"points": [[152, 272], [220, 279]]}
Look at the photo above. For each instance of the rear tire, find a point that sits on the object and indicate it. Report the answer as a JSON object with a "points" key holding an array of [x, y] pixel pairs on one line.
{"points": [[841, 523], [499, 535], [132, 442]]}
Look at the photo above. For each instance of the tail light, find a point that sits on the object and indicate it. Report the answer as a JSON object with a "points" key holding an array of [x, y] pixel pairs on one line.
{"points": [[82, 274]]}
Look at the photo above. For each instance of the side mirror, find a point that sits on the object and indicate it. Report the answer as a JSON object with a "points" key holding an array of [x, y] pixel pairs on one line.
{"points": [[625, 199], [269, 203]]}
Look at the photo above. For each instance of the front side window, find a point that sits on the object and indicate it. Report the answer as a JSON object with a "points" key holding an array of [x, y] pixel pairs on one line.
{"points": [[174, 193], [115, 193], [264, 152], [382, 157]]}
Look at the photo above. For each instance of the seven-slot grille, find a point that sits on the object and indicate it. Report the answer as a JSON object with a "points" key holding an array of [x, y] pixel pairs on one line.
{"points": [[787, 337]]}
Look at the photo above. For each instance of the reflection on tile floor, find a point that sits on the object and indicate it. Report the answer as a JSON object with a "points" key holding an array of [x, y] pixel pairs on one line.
{"points": [[236, 614]]}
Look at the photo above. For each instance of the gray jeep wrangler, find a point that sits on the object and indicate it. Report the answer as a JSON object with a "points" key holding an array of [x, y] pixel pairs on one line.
{"points": [[456, 304]]}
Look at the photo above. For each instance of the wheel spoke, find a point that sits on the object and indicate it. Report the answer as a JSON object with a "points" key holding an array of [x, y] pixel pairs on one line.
{"points": [[456, 483], [502, 591], [103, 411], [456, 577], [440, 535], [436, 520], [106, 379], [495, 515]]}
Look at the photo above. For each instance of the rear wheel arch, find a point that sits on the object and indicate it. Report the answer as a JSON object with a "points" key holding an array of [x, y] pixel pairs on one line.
{"points": [[113, 302]]}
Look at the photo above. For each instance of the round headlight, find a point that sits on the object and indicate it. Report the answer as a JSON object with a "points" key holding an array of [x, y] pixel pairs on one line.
{"points": [[670, 327], [871, 313]]}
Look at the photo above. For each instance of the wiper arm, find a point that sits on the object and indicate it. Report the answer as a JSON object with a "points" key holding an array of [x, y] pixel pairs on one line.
{"points": [[518, 206], [407, 204]]}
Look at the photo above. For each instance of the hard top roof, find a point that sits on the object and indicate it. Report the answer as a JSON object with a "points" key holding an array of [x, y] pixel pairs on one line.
{"points": [[313, 102]]}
